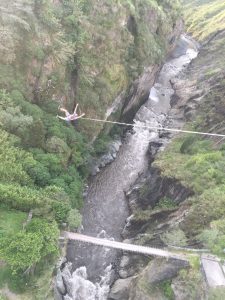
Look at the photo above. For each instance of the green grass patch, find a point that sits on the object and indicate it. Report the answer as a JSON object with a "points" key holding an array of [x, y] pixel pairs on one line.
{"points": [[194, 162], [165, 286], [198, 165], [204, 18], [165, 202], [11, 221]]}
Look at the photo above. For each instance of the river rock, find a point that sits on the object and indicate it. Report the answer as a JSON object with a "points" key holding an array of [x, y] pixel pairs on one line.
{"points": [[120, 289], [131, 265], [57, 295], [95, 170], [153, 148], [67, 298], [111, 153], [59, 283], [67, 279]]}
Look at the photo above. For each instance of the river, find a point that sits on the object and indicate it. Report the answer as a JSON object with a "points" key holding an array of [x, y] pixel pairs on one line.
{"points": [[105, 210]]}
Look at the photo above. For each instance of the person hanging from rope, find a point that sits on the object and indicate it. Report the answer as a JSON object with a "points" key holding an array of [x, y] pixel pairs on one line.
{"points": [[70, 118]]}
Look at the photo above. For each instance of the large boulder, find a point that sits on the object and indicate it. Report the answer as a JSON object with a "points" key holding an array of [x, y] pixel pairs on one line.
{"points": [[146, 286], [160, 270], [121, 289], [59, 283]]}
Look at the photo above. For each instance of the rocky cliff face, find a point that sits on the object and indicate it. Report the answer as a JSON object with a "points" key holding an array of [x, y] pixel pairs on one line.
{"points": [[62, 52], [169, 205], [89, 51]]}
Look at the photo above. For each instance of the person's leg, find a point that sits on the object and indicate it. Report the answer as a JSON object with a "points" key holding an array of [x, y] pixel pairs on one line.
{"points": [[75, 123]]}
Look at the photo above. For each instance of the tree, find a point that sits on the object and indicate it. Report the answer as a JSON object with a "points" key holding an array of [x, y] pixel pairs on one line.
{"points": [[175, 237], [49, 233], [74, 219], [21, 250], [26, 248], [214, 238], [36, 136]]}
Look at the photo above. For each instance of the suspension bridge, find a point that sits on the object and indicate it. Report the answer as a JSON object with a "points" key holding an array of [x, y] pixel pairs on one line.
{"points": [[124, 246], [213, 269]]}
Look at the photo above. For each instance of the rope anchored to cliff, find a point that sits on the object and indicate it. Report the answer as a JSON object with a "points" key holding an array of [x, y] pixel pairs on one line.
{"points": [[155, 127], [73, 118]]}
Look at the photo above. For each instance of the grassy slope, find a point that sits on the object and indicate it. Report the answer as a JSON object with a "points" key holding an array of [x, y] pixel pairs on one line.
{"points": [[84, 47], [204, 17], [43, 161], [199, 162], [11, 220]]}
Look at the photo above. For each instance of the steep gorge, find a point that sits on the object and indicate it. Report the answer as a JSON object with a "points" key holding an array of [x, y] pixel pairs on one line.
{"points": [[60, 53], [93, 52], [179, 202]]}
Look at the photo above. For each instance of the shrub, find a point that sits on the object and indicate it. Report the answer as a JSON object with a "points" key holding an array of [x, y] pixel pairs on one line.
{"points": [[49, 233], [21, 251], [26, 248], [165, 202], [74, 219], [175, 237], [205, 208], [214, 238], [61, 210], [22, 198]]}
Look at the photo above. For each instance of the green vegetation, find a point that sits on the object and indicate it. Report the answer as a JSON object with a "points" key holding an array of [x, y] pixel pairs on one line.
{"points": [[204, 18], [164, 203], [80, 58], [165, 286], [11, 221], [214, 238], [26, 248], [200, 167], [174, 237], [192, 283], [55, 53], [42, 166], [216, 293]]}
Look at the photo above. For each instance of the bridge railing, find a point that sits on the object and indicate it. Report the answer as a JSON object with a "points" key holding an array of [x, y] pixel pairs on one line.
{"points": [[124, 246]]}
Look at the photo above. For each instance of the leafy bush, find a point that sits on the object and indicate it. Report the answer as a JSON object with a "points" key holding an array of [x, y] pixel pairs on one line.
{"points": [[61, 210], [74, 219], [21, 197], [165, 203], [49, 233], [209, 206], [12, 162], [214, 238], [21, 251], [26, 248], [175, 237], [217, 293]]}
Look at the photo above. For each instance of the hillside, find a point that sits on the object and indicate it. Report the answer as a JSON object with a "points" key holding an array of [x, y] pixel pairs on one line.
{"points": [[60, 53], [204, 18], [180, 201]]}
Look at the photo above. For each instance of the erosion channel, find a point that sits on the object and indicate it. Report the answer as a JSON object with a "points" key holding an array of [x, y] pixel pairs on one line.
{"points": [[105, 210]]}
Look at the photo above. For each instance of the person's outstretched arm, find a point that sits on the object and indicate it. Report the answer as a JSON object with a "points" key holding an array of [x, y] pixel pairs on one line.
{"points": [[62, 118], [64, 110], [75, 110], [80, 116]]}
